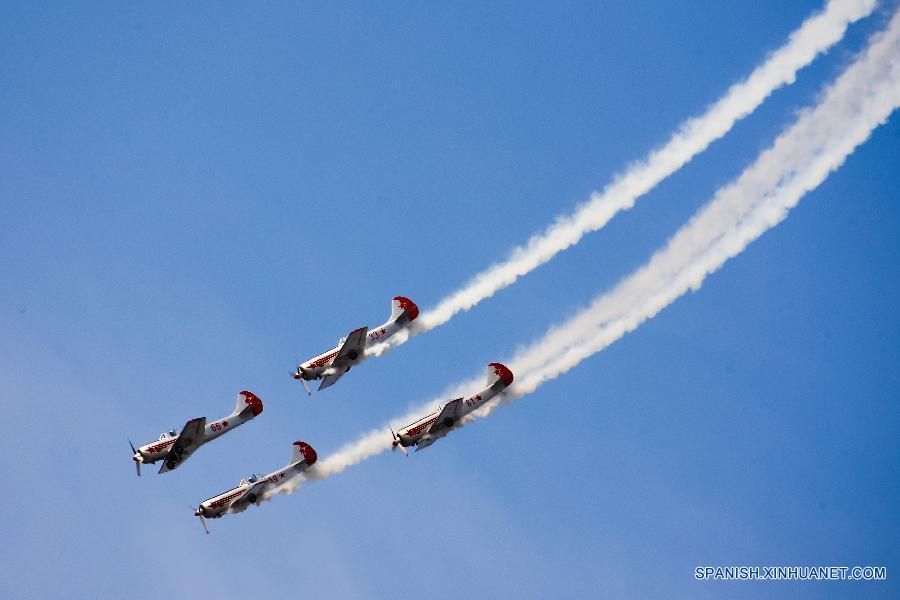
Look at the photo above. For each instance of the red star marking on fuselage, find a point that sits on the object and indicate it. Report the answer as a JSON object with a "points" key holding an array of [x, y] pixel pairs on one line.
{"points": [[383, 330], [225, 424]]}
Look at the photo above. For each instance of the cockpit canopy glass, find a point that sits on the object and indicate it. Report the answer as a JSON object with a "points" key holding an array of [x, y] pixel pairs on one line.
{"points": [[168, 434]]}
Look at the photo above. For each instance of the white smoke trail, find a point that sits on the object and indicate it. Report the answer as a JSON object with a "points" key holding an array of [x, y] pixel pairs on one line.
{"points": [[800, 159], [816, 35], [821, 139]]}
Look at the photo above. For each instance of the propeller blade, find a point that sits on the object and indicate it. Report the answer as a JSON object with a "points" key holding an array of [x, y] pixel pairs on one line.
{"points": [[199, 513], [298, 374], [138, 459], [397, 443]]}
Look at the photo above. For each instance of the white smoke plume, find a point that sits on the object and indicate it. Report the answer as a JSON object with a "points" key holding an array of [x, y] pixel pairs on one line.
{"points": [[800, 159], [816, 35]]}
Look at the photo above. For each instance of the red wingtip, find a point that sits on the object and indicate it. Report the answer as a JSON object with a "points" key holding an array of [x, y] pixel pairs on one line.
{"points": [[309, 455], [503, 373], [253, 401], [412, 311]]}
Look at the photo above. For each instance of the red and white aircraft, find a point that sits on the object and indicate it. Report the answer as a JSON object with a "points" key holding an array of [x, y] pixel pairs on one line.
{"points": [[430, 429], [173, 448], [351, 350], [249, 491]]}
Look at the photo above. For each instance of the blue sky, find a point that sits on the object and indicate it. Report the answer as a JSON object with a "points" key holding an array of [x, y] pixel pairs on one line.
{"points": [[194, 196]]}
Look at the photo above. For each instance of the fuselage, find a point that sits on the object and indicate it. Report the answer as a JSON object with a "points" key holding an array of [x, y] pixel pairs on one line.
{"points": [[219, 505], [235, 500], [436, 425], [427, 428], [318, 365], [154, 451], [404, 311]]}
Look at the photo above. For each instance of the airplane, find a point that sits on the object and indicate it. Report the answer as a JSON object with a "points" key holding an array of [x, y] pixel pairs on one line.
{"points": [[433, 427], [351, 350], [173, 448], [250, 490]]}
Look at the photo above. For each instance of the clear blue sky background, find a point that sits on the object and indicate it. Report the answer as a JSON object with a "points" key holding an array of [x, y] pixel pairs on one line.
{"points": [[191, 197]]}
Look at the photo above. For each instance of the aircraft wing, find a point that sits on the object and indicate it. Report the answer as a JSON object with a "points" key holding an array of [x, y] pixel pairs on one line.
{"points": [[330, 380], [188, 440], [241, 503], [448, 415], [441, 426], [424, 443], [353, 348]]}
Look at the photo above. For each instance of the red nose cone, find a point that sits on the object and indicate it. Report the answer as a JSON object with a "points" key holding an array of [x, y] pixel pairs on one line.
{"points": [[296, 376], [503, 373], [412, 311], [309, 455], [253, 401]]}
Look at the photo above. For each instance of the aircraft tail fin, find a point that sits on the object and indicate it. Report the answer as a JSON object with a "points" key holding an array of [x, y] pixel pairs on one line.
{"points": [[301, 451], [498, 374], [403, 309], [248, 401]]}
